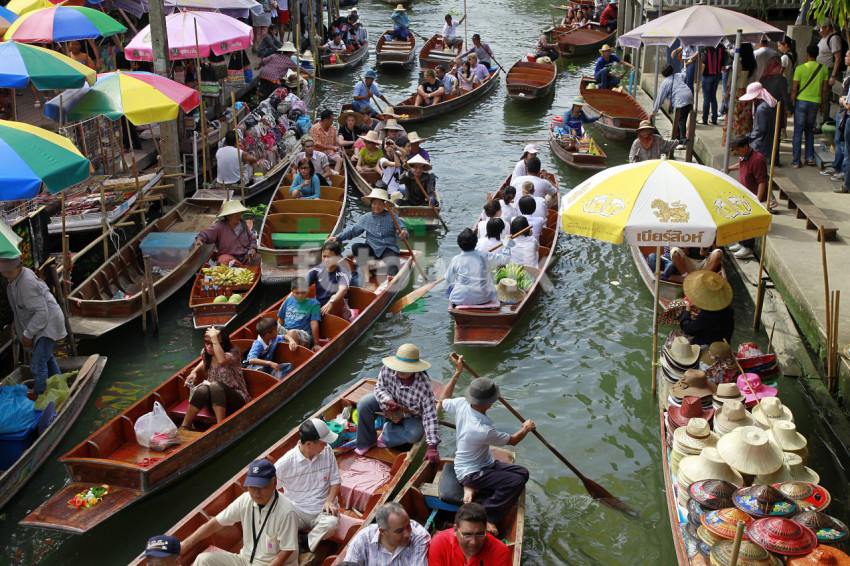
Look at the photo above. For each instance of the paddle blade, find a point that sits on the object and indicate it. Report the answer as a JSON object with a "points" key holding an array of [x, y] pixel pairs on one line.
{"points": [[411, 297], [602, 495]]}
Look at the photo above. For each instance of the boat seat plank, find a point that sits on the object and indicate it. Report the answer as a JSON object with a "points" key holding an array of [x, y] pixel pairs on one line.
{"points": [[299, 222], [298, 240], [178, 411], [331, 326]]}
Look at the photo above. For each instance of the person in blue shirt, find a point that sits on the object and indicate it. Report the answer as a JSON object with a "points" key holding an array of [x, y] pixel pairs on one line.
{"points": [[603, 67], [299, 316], [261, 355], [332, 281], [364, 90], [306, 183], [575, 118], [401, 23], [469, 276]]}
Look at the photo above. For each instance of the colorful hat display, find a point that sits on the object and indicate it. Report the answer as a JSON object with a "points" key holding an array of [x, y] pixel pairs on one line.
{"points": [[749, 355], [764, 501], [724, 522], [771, 410], [712, 494], [695, 510], [749, 450], [733, 415], [723, 368], [792, 470], [782, 536], [708, 465], [691, 408], [693, 383], [756, 387], [749, 554], [821, 556], [809, 496], [706, 536], [829, 530]]}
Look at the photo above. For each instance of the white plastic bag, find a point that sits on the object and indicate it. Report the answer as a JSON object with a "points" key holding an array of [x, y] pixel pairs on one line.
{"points": [[155, 430]]}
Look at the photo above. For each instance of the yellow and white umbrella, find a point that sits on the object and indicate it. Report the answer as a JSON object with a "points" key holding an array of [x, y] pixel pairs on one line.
{"points": [[661, 202]]}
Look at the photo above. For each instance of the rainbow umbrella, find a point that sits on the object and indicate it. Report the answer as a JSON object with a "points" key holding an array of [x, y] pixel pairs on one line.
{"points": [[217, 33], [45, 68], [21, 7], [62, 23], [32, 156], [7, 18], [8, 242], [144, 98]]}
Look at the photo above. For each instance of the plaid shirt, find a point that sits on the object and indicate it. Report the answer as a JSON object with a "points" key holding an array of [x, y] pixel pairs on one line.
{"points": [[419, 398], [326, 138], [658, 147], [366, 548], [275, 66], [380, 232]]}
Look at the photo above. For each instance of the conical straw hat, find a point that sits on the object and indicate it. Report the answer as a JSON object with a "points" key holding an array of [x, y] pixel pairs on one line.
{"points": [[782, 536], [749, 450], [749, 554], [707, 466], [764, 501], [829, 530], [821, 556], [808, 496], [724, 522], [785, 434], [771, 410], [707, 290]]}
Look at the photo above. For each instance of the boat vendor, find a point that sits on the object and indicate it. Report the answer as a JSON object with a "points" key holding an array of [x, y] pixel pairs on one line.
{"points": [[575, 118], [380, 232], [273, 537], [649, 145], [603, 68], [416, 180], [228, 164], [469, 276], [39, 321], [162, 550], [468, 541], [483, 53], [273, 69], [474, 465], [233, 239], [401, 23], [364, 90], [546, 48], [709, 318], [394, 538], [450, 38], [309, 477]]}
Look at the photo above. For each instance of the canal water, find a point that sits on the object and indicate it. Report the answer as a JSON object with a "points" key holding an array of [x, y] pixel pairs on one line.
{"points": [[578, 364]]}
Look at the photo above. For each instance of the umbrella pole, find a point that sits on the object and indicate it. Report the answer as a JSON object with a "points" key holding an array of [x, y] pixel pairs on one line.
{"points": [[135, 170], [238, 151], [298, 57], [692, 119], [120, 139], [201, 103], [317, 60], [65, 274], [655, 317], [733, 100], [104, 224], [466, 26]]}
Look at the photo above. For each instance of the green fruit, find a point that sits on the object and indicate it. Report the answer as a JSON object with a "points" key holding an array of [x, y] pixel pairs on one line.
{"points": [[235, 298], [220, 299]]}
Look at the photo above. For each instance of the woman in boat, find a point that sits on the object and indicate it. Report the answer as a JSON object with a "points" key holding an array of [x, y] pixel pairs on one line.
{"points": [[231, 236], [709, 318], [418, 183], [492, 209], [401, 23], [494, 231], [466, 78], [469, 276], [306, 183], [521, 167], [221, 366], [509, 208], [575, 118], [546, 48], [347, 134], [332, 281], [370, 154], [525, 250]]}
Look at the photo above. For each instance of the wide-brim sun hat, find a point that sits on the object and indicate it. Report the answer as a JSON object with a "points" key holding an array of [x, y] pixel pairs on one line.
{"points": [[645, 125], [751, 386], [682, 351], [708, 465], [764, 501], [689, 440], [828, 529], [229, 207], [358, 117], [749, 554], [693, 383], [792, 469], [732, 415], [727, 392], [483, 391], [808, 496], [392, 124], [370, 136], [379, 194], [406, 358], [821, 556], [707, 290], [413, 137], [771, 410], [605, 48], [785, 434], [691, 408], [579, 101], [419, 160], [508, 291], [782, 536], [287, 47], [749, 450], [400, 8]]}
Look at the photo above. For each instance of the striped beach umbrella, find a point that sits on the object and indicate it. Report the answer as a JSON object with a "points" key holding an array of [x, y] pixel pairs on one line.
{"points": [[62, 23], [46, 69], [7, 18]]}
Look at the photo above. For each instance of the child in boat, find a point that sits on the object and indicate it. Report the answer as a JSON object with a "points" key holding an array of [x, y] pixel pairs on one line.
{"points": [[492, 209], [525, 250], [527, 208], [332, 281], [306, 183], [369, 155], [541, 210], [469, 276], [261, 355], [299, 316], [492, 237], [508, 204]]}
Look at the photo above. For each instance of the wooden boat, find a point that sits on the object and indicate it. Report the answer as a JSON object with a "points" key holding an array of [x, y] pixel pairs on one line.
{"points": [[49, 433], [395, 462], [490, 326], [97, 305], [668, 290], [410, 113], [434, 53], [405, 3], [580, 154], [342, 61], [112, 456], [206, 312], [293, 230], [394, 54], [574, 2], [581, 41], [622, 113], [527, 81]]}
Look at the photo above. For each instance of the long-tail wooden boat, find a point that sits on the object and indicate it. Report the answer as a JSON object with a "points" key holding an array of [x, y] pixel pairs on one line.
{"points": [[619, 113], [49, 433], [112, 456], [342, 61], [111, 295], [404, 3], [393, 54], [490, 326], [581, 41], [206, 312], [435, 52], [293, 230], [668, 290], [580, 154], [411, 113], [527, 81], [355, 510]]}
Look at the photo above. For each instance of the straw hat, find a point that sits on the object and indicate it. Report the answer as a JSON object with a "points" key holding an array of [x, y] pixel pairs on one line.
{"points": [[733, 415], [750, 384], [543, 60], [509, 292], [379, 194], [749, 450], [764, 501], [706, 536], [821, 556], [691, 408], [724, 522], [413, 137], [419, 160], [695, 508], [605, 48], [358, 117], [726, 392], [782, 536], [707, 290], [392, 124], [792, 470], [771, 410], [829, 530], [785, 434], [371, 136], [389, 112], [749, 554], [808, 496], [308, 56], [400, 8], [683, 352], [579, 101], [287, 47], [645, 125], [691, 439], [707, 466], [713, 494], [406, 359], [694, 383], [229, 207]]}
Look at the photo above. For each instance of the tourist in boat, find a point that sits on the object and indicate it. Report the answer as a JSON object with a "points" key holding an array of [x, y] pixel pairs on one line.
{"points": [[752, 173], [546, 48], [332, 280], [309, 476], [527, 208], [227, 159], [602, 71], [417, 182], [430, 91], [492, 209], [269, 44], [401, 23], [448, 80], [306, 183], [392, 165], [347, 134], [321, 163], [233, 239], [357, 34], [336, 46], [450, 38], [299, 317], [541, 209], [221, 367], [608, 17], [370, 154], [162, 550], [649, 145], [393, 539], [365, 89], [75, 52], [483, 53], [469, 276], [521, 167], [273, 69], [469, 541], [273, 536], [524, 252], [380, 228], [369, 122], [542, 187], [415, 148], [389, 127], [709, 318], [324, 135], [680, 96], [474, 465], [494, 229], [481, 72], [509, 208], [39, 322], [465, 77], [261, 355], [575, 118]]}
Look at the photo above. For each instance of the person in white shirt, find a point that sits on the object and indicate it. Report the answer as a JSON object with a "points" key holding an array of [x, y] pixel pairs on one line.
{"points": [[527, 206], [542, 209], [450, 31], [492, 209], [525, 250], [391, 166], [542, 187], [394, 538], [227, 158], [309, 476], [521, 167], [508, 204], [492, 236]]}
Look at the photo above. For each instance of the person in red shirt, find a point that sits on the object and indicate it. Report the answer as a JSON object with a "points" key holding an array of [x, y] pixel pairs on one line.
{"points": [[468, 543], [608, 18], [752, 173]]}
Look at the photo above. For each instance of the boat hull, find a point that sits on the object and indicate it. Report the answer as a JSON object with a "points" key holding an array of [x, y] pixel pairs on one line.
{"points": [[527, 81], [575, 158], [619, 114], [395, 54], [433, 53], [583, 41], [423, 113], [352, 59]]}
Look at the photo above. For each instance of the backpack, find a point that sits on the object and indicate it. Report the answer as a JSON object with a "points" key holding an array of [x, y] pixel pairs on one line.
{"points": [[841, 65]]}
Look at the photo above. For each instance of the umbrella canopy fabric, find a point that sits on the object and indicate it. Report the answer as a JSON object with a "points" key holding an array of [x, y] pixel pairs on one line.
{"points": [[46, 69], [32, 156], [144, 98], [218, 33], [8, 242], [7, 18], [62, 23], [699, 25], [661, 202], [21, 7]]}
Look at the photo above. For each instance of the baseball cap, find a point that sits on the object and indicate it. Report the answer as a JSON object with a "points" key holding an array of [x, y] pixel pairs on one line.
{"points": [[316, 429], [163, 546], [260, 473], [823, 24], [531, 148]]}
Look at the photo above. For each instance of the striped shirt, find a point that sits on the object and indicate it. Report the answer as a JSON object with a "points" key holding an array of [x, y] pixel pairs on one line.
{"points": [[418, 398], [274, 67], [306, 483], [366, 548], [380, 232], [658, 147]]}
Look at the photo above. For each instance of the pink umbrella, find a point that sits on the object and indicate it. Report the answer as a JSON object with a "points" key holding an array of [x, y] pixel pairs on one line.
{"points": [[217, 33]]}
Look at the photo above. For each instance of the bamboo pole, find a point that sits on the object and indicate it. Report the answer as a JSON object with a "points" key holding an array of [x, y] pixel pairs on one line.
{"points": [[144, 307], [828, 326], [317, 59], [103, 223], [655, 318], [65, 268], [298, 58], [135, 168], [153, 138], [466, 26], [238, 150], [63, 306], [201, 104], [834, 348], [151, 294], [736, 543]]}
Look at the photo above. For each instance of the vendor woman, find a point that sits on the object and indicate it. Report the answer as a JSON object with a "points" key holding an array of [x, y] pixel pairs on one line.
{"points": [[709, 317], [231, 236], [575, 118]]}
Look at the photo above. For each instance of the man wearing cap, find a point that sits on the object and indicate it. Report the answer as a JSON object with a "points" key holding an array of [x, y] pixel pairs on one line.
{"points": [[231, 236], [483, 54], [709, 318], [450, 37], [542, 188], [273, 68], [162, 550], [227, 159], [269, 525], [364, 90], [602, 71], [474, 465], [608, 18], [324, 135], [321, 163], [521, 167], [394, 539], [649, 145], [575, 118], [309, 477]]}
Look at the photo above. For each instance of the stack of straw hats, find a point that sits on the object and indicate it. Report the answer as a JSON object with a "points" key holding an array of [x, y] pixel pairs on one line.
{"points": [[678, 417], [808, 496], [677, 356], [732, 415], [771, 410], [784, 433], [792, 470], [829, 530], [694, 383], [748, 450], [764, 501], [726, 392], [690, 440], [708, 465]]}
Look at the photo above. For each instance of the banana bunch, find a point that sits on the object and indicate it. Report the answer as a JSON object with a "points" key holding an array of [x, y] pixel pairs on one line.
{"points": [[223, 275], [242, 276]]}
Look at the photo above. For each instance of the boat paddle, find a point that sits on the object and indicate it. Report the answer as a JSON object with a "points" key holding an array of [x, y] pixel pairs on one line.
{"points": [[372, 94], [416, 294], [428, 200], [594, 489], [423, 38], [407, 244]]}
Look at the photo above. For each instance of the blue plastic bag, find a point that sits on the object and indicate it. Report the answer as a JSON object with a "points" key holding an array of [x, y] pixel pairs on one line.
{"points": [[17, 411]]}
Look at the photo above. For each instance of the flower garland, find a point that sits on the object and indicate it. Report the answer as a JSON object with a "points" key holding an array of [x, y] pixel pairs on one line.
{"points": [[88, 498]]}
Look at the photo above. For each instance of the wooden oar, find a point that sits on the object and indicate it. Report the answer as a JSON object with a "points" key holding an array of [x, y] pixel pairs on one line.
{"points": [[497, 63], [594, 489], [372, 94], [428, 200], [423, 38], [416, 294], [407, 244]]}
